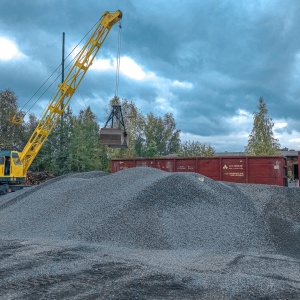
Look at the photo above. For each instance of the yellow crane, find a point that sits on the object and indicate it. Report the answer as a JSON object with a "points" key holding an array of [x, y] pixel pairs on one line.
{"points": [[13, 164]]}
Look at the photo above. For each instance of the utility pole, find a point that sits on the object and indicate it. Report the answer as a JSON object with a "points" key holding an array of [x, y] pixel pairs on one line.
{"points": [[62, 80], [62, 68]]}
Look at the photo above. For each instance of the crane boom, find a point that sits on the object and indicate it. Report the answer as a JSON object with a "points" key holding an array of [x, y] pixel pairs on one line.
{"points": [[67, 88]]}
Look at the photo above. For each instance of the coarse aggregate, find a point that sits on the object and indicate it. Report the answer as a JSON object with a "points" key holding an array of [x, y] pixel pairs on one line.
{"points": [[143, 233]]}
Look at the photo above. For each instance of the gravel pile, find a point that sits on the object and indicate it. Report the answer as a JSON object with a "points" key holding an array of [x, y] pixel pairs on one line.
{"points": [[240, 238], [150, 209]]}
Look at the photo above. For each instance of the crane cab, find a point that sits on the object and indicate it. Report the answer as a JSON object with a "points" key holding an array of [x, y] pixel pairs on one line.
{"points": [[11, 168]]}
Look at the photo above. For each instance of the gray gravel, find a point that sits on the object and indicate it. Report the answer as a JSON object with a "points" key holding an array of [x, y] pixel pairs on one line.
{"points": [[177, 235]]}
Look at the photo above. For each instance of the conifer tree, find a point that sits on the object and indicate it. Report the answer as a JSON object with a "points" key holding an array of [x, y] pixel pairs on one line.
{"points": [[261, 140], [85, 152]]}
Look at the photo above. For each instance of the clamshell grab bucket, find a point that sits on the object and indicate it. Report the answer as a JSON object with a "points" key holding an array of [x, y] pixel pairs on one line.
{"points": [[115, 138]]}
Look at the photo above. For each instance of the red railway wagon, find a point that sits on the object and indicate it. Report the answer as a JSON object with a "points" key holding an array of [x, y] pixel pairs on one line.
{"points": [[240, 169]]}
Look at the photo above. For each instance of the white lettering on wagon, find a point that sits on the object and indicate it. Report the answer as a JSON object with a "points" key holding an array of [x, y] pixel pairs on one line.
{"points": [[233, 167], [234, 174]]}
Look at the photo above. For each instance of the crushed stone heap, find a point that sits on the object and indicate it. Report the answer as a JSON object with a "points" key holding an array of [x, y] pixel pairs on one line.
{"points": [[151, 209]]}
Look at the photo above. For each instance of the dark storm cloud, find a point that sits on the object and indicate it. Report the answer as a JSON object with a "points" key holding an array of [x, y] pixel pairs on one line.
{"points": [[223, 54]]}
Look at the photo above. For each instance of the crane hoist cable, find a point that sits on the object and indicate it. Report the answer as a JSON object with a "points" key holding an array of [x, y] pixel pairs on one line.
{"points": [[115, 136], [118, 60], [18, 118]]}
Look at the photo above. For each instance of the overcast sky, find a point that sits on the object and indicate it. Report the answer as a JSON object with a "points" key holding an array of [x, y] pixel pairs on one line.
{"points": [[207, 61]]}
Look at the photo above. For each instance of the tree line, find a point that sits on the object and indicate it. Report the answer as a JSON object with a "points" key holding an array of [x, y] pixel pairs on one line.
{"points": [[74, 145]]}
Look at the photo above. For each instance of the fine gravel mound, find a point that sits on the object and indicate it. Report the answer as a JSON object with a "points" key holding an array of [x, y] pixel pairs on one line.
{"points": [[171, 235], [150, 209]]}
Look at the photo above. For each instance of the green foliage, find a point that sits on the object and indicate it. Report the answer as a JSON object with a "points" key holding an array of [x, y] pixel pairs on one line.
{"points": [[160, 134], [149, 150], [11, 135], [85, 153], [43, 159], [64, 130], [261, 140], [192, 148], [74, 146], [148, 136]]}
